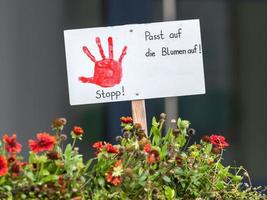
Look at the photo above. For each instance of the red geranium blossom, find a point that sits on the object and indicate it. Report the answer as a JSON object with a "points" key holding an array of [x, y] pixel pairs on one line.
{"points": [[114, 176], [98, 145], [3, 166], [44, 142], [126, 120], [111, 149], [114, 180], [218, 141], [153, 157], [12, 146], [78, 131], [147, 148]]}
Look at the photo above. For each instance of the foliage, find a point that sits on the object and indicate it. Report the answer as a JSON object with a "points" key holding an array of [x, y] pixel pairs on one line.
{"points": [[160, 166]]}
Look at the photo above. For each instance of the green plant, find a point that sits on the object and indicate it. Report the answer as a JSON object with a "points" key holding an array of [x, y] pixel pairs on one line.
{"points": [[160, 166]]}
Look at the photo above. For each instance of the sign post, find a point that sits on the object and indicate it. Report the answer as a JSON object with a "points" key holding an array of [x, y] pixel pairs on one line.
{"points": [[139, 113]]}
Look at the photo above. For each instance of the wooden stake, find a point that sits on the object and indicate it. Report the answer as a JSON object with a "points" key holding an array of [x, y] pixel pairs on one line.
{"points": [[139, 113]]}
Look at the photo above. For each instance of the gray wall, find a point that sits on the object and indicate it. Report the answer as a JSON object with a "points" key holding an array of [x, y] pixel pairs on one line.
{"points": [[33, 80]]}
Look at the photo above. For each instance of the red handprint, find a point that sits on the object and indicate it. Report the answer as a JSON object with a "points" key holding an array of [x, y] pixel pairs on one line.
{"points": [[107, 72]]}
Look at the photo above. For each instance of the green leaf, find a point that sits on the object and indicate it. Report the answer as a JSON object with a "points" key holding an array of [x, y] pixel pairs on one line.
{"points": [[143, 178], [32, 157], [2, 180], [166, 179], [220, 185], [208, 148], [178, 171], [237, 178], [44, 172], [68, 152], [181, 140], [101, 181], [30, 175], [7, 187], [88, 164], [164, 151], [169, 193], [49, 178], [154, 122]]}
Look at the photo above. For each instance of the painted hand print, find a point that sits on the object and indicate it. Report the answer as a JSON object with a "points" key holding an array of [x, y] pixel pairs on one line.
{"points": [[107, 72]]}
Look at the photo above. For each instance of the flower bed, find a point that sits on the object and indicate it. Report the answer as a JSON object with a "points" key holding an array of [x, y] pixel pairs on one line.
{"points": [[162, 166]]}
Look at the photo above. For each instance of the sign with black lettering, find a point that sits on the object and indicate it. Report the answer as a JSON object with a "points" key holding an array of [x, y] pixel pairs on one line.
{"points": [[131, 62]]}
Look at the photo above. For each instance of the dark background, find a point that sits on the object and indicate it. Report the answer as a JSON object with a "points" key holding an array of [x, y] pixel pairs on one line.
{"points": [[33, 79]]}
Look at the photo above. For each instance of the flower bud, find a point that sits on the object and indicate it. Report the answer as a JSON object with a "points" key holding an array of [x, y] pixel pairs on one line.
{"points": [[142, 143], [173, 121], [53, 155], [129, 148], [137, 126], [76, 149], [205, 138], [140, 134], [126, 120], [163, 115], [78, 131], [118, 139], [179, 160], [216, 150], [127, 134], [63, 137], [176, 132], [128, 171], [183, 124], [59, 122]]}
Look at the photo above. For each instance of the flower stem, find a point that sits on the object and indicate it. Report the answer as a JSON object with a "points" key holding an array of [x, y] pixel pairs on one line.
{"points": [[73, 143]]}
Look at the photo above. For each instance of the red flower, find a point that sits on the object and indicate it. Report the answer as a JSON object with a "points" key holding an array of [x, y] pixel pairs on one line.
{"points": [[78, 131], [111, 149], [218, 141], [118, 163], [114, 180], [126, 120], [3, 166], [44, 142], [12, 146], [147, 148], [98, 145], [153, 157], [114, 176], [108, 147]]}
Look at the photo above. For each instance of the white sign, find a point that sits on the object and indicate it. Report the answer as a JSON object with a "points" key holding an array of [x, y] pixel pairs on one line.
{"points": [[138, 61]]}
